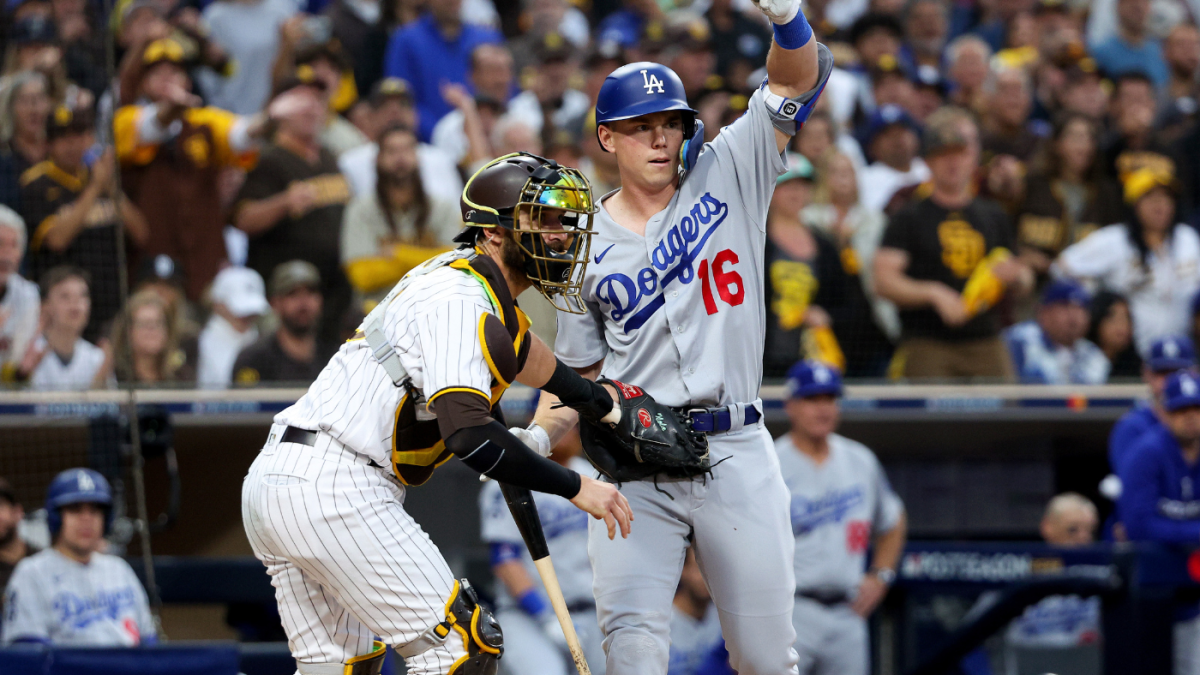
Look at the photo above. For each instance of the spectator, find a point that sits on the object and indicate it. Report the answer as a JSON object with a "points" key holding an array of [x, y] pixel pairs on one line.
{"points": [[1085, 92], [13, 548], [71, 595], [75, 211], [926, 29], [513, 134], [841, 505], [173, 154], [539, 18], [357, 26], [967, 58], [163, 277], [34, 46], [625, 26], [739, 42], [1167, 355], [390, 105], [432, 51], [1066, 195], [238, 301], [1052, 349], [145, 343], [1008, 131], [695, 624], [533, 639], [1132, 49], [291, 353], [397, 226], [1156, 497], [83, 49], [19, 302], [1148, 259], [930, 250], [329, 66], [491, 77], [291, 204], [249, 31], [1112, 331], [60, 357], [1136, 143], [804, 278], [24, 108], [892, 145], [872, 325], [1182, 53], [873, 37], [890, 85], [550, 103]]}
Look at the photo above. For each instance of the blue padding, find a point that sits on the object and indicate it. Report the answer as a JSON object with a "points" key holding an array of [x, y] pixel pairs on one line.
{"points": [[217, 660]]}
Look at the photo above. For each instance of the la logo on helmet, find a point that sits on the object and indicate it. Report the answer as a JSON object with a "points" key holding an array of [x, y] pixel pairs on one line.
{"points": [[652, 83]]}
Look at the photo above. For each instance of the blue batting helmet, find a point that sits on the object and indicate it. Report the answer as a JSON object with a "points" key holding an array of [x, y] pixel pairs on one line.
{"points": [[77, 486], [643, 88]]}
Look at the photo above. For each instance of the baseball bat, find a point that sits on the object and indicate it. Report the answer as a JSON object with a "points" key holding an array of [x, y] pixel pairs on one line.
{"points": [[524, 511]]}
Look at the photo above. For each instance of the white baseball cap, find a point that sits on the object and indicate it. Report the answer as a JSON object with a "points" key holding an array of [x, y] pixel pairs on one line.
{"points": [[242, 290]]}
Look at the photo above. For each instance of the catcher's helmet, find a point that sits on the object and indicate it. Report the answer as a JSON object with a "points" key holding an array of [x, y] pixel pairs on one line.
{"points": [[77, 486], [494, 196], [642, 88]]}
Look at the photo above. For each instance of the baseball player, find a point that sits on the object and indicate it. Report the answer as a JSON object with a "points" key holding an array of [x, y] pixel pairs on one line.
{"points": [[70, 595], [674, 297], [323, 502], [533, 640], [842, 505]]}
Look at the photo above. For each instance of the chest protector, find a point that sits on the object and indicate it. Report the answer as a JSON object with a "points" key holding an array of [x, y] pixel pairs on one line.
{"points": [[417, 444]]}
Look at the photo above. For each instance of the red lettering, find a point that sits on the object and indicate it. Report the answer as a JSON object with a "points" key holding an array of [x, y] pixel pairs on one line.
{"points": [[710, 305], [726, 279]]}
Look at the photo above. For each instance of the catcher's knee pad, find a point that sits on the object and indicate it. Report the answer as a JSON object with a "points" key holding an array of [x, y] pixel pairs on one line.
{"points": [[367, 664], [480, 633]]}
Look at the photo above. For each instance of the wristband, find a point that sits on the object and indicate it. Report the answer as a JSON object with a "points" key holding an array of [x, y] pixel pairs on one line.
{"points": [[793, 34], [532, 603]]}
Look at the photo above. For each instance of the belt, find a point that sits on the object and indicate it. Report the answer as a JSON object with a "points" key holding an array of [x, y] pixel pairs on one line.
{"points": [[309, 438], [717, 420], [829, 598], [301, 436]]}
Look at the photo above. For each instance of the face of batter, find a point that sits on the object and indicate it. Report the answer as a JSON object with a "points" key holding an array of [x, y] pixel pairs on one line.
{"points": [[647, 148]]}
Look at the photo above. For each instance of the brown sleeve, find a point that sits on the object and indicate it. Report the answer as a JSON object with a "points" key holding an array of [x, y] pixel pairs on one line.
{"points": [[459, 410]]}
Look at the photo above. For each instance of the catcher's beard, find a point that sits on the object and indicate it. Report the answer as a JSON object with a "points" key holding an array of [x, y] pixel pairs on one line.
{"points": [[510, 251]]}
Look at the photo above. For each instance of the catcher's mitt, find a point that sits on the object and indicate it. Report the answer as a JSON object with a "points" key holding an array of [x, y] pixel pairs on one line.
{"points": [[649, 439]]}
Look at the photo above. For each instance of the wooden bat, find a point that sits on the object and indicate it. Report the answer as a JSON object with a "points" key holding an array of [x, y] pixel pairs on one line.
{"points": [[524, 511]]}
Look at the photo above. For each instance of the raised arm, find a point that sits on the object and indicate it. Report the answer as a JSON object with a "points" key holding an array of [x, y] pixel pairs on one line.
{"points": [[792, 64]]}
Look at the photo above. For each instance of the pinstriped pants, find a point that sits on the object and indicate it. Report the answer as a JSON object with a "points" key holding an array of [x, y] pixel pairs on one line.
{"points": [[347, 562]]}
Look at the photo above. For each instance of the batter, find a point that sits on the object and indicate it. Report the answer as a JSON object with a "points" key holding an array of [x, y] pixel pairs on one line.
{"points": [[674, 293]]}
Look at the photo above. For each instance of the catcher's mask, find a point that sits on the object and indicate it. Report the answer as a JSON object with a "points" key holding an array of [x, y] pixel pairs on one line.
{"points": [[524, 183]]}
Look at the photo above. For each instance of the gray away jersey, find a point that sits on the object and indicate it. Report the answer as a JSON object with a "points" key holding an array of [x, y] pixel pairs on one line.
{"points": [[680, 311], [566, 529], [51, 598], [837, 508]]}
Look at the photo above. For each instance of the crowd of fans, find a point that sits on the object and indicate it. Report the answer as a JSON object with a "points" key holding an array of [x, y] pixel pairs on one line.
{"points": [[989, 189]]}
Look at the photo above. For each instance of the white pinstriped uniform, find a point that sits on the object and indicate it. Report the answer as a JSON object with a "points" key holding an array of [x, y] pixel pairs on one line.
{"points": [[347, 562]]}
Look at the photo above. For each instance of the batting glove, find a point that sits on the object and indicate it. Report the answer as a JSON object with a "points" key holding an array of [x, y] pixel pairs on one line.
{"points": [[535, 437], [779, 11]]}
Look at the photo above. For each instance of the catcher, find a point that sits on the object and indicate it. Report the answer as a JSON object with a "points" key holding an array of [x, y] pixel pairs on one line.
{"points": [[421, 383]]}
